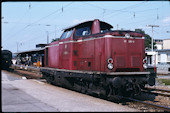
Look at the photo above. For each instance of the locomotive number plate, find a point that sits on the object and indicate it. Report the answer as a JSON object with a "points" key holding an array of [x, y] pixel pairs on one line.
{"points": [[129, 41]]}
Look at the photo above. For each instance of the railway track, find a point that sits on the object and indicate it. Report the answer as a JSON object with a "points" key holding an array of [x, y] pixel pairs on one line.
{"points": [[161, 92], [156, 104], [149, 104]]}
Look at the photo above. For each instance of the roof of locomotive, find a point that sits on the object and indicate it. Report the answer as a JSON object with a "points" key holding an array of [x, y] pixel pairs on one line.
{"points": [[6, 51], [103, 25]]}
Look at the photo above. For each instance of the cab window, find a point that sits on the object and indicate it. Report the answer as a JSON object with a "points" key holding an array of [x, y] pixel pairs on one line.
{"points": [[66, 34], [83, 31], [63, 35], [69, 33]]}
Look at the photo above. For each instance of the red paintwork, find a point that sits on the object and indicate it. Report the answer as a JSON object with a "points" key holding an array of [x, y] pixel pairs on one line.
{"points": [[95, 27], [91, 54]]}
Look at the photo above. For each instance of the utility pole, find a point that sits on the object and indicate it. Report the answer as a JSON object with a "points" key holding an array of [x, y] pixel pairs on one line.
{"points": [[55, 31], [117, 26], [103, 13], [17, 46], [47, 37], [152, 33]]}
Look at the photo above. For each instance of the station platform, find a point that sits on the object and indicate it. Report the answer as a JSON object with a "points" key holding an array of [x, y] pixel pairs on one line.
{"points": [[32, 95]]}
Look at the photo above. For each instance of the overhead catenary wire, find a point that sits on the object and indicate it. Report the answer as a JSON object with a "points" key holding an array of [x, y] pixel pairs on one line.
{"points": [[102, 9], [19, 20], [27, 23], [40, 19], [66, 6], [123, 9], [131, 7], [103, 13], [39, 37]]}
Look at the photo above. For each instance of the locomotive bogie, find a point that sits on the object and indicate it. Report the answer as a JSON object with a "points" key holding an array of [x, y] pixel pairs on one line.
{"points": [[101, 84]]}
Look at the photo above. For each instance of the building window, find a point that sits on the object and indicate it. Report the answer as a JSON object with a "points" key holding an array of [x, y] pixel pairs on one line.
{"points": [[168, 57], [159, 57]]}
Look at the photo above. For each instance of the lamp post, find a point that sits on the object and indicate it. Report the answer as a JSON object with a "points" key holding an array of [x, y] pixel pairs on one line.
{"points": [[17, 46], [55, 31], [152, 32], [47, 37]]}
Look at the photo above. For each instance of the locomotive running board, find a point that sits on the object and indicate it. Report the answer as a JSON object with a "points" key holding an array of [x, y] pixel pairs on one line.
{"points": [[96, 72]]}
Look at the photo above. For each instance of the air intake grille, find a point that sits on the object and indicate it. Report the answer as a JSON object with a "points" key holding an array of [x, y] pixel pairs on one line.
{"points": [[120, 61], [135, 61]]}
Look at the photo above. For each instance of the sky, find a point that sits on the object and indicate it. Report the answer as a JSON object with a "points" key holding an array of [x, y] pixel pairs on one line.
{"points": [[25, 24]]}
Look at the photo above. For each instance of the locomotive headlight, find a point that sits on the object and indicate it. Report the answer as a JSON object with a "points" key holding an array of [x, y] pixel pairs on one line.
{"points": [[110, 66], [110, 60], [145, 63], [145, 66], [127, 35]]}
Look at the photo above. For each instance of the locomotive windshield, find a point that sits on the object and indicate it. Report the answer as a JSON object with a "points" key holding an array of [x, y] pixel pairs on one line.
{"points": [[66, 34]]}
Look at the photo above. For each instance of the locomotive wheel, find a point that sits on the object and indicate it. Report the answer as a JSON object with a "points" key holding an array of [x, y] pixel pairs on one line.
{"points": [[110, 91], [137, 90], [113, 94], [84, 90], [45, 76], [49, 80]]}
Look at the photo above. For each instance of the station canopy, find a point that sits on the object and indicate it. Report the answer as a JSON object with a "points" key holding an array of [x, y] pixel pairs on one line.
{"points": [[33, 51]]}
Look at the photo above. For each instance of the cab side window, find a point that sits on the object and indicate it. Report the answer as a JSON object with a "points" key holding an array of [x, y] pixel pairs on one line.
{"points": [[83, 31]]}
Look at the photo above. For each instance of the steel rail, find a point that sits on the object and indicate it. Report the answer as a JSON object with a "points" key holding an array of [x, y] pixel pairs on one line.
{"points": [[155, 89], [161, 94], [165, 108]]}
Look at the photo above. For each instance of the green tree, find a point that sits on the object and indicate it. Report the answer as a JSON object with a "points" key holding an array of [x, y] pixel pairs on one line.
{"points": [[147, 39], [53, 40]]}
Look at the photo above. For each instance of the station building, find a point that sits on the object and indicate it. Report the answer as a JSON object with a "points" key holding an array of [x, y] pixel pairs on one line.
{"points": [[160, 57]]}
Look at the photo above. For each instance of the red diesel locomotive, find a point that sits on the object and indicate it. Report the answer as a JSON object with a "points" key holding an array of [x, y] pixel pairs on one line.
{"points": [[92, 58]]}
